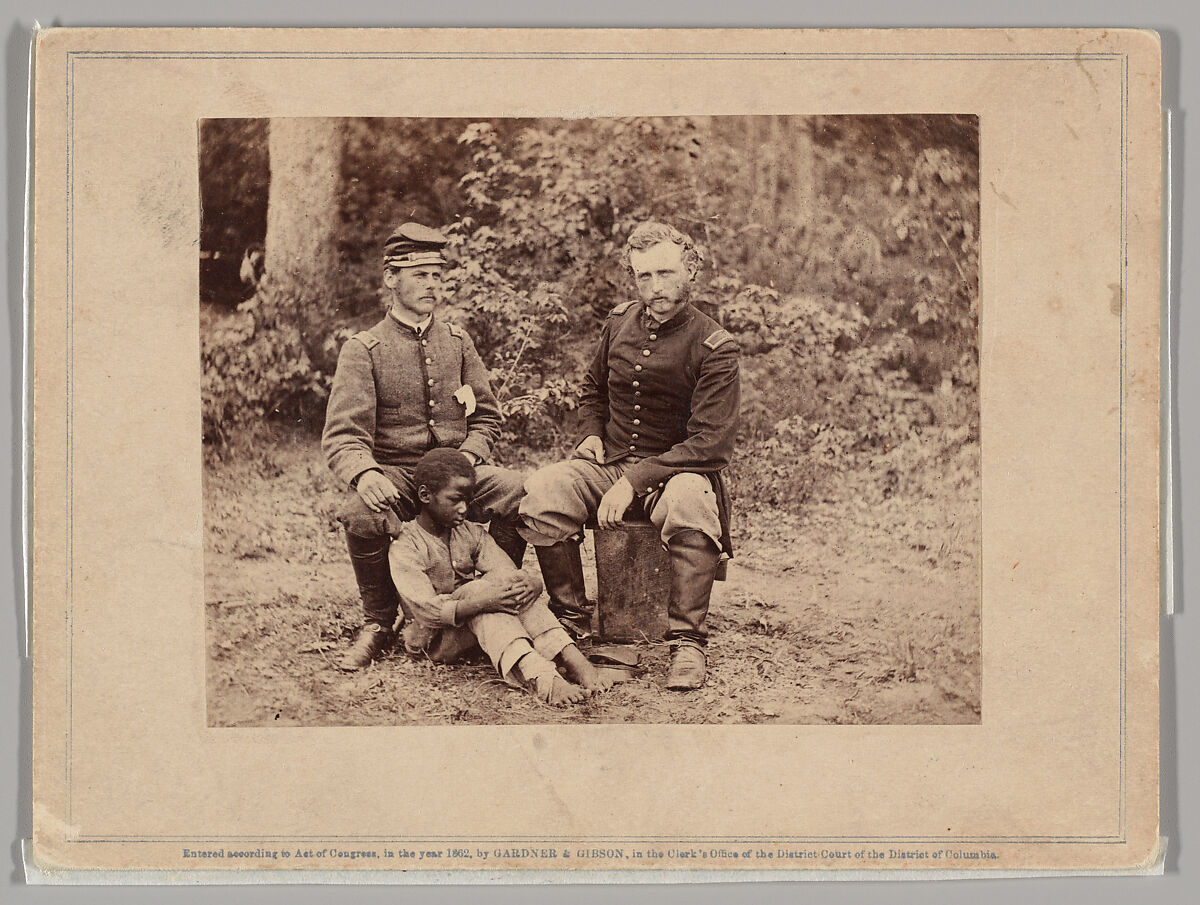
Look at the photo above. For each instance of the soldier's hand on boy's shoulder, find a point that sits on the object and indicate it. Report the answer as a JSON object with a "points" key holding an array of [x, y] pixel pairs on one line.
{"points": [[376, 490]]}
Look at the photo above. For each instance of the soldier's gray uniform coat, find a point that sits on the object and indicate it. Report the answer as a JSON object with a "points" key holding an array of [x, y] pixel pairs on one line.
{"points": [[393, 398], [398, 392]]}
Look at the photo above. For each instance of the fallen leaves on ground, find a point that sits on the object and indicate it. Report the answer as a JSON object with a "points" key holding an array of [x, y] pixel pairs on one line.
{"points": [[858, 611]]}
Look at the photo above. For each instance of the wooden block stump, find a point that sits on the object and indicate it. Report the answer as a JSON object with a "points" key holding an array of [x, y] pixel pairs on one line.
{"points": [[633, 582]]}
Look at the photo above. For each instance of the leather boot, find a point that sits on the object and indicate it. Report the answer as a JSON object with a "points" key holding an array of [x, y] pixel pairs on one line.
{"points": [[368, 556], [373, 639], [504, 533], [694, 560], [688, 667], [562, 571]]}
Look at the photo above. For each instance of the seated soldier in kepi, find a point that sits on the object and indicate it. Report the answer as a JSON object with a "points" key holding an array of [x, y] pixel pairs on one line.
{"points": [[660, 409], [409, 384], [460, 592]]}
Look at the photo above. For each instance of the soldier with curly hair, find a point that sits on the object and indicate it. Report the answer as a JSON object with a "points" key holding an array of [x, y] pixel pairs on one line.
{"points": [[660, 408]]}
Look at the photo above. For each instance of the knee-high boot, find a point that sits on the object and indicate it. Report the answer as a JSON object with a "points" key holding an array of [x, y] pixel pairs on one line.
{"points": [[694, 560], [562, 571], [504, 533], [369, 557]]}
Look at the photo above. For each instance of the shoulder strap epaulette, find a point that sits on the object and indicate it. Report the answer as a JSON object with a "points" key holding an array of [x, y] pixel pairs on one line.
{"points": [[456, 331], [367, 338], [717, 337], [622, 308]]}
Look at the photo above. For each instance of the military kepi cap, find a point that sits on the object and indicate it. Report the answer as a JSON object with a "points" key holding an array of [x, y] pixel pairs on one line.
{"points": [[413, 244]]}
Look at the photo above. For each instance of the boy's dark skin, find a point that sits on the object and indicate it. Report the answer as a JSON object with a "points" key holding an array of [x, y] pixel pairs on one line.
{"points": [[441, 511]]}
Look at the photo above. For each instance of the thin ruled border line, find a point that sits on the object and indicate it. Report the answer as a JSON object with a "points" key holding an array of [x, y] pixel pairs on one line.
{"points": [[405, 56], [70, 426], [401, 56], [1124, 438], [590, 840]]}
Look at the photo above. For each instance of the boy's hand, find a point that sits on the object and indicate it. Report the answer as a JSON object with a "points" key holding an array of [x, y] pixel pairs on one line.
{"points": [[483, 596], [499, 605], [514, 590], [525, 588]]}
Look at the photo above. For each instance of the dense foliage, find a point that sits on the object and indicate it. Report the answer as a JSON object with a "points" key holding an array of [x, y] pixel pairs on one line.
{"points": [[842, 252]]}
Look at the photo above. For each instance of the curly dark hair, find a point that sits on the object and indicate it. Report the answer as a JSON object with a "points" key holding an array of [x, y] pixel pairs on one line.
{"points": [[438, 466], [648, 234]]}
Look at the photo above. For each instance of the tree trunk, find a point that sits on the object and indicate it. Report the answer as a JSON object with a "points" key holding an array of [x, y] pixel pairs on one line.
{"points": [[774, 150], [302, 222], [759, 136], [804, 167]]}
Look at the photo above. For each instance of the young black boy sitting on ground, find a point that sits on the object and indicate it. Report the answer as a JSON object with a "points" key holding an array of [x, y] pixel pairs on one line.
{"points": [[434, 563]]}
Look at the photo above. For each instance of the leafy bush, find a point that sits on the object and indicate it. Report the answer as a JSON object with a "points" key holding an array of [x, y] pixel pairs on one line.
{"points": [[254, 367], [851, 285], [537, 252]]}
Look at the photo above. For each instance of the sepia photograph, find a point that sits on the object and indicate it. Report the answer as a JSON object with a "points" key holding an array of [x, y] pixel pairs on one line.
{"points": [[637, 451], [602, 420]]}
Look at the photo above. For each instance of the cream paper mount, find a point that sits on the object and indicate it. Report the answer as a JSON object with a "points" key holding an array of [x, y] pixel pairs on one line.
{"points": [[142, 757]]}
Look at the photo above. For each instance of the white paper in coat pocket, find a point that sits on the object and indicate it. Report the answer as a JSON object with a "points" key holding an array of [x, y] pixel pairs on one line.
{"points": [[466, 396]]}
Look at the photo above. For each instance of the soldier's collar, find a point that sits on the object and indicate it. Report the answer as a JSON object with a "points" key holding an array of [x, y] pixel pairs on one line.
{"points": [[678, 319], [415, 329]]}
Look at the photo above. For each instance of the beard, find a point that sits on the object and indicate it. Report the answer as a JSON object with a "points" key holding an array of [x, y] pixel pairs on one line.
{"points": [[685, 295]]}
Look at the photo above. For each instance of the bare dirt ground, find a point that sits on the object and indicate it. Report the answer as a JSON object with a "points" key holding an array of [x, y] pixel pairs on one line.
{"points": [[866, 609]]}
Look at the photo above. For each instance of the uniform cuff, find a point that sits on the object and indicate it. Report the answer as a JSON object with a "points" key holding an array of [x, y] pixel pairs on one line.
{"points": [[648, 476], [478, 446], [349, 467], [590, 430]]}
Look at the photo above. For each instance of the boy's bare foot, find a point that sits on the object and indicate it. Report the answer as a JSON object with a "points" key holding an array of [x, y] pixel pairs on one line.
{"points": [[562, 692], [581, 670], [546, 684]]}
